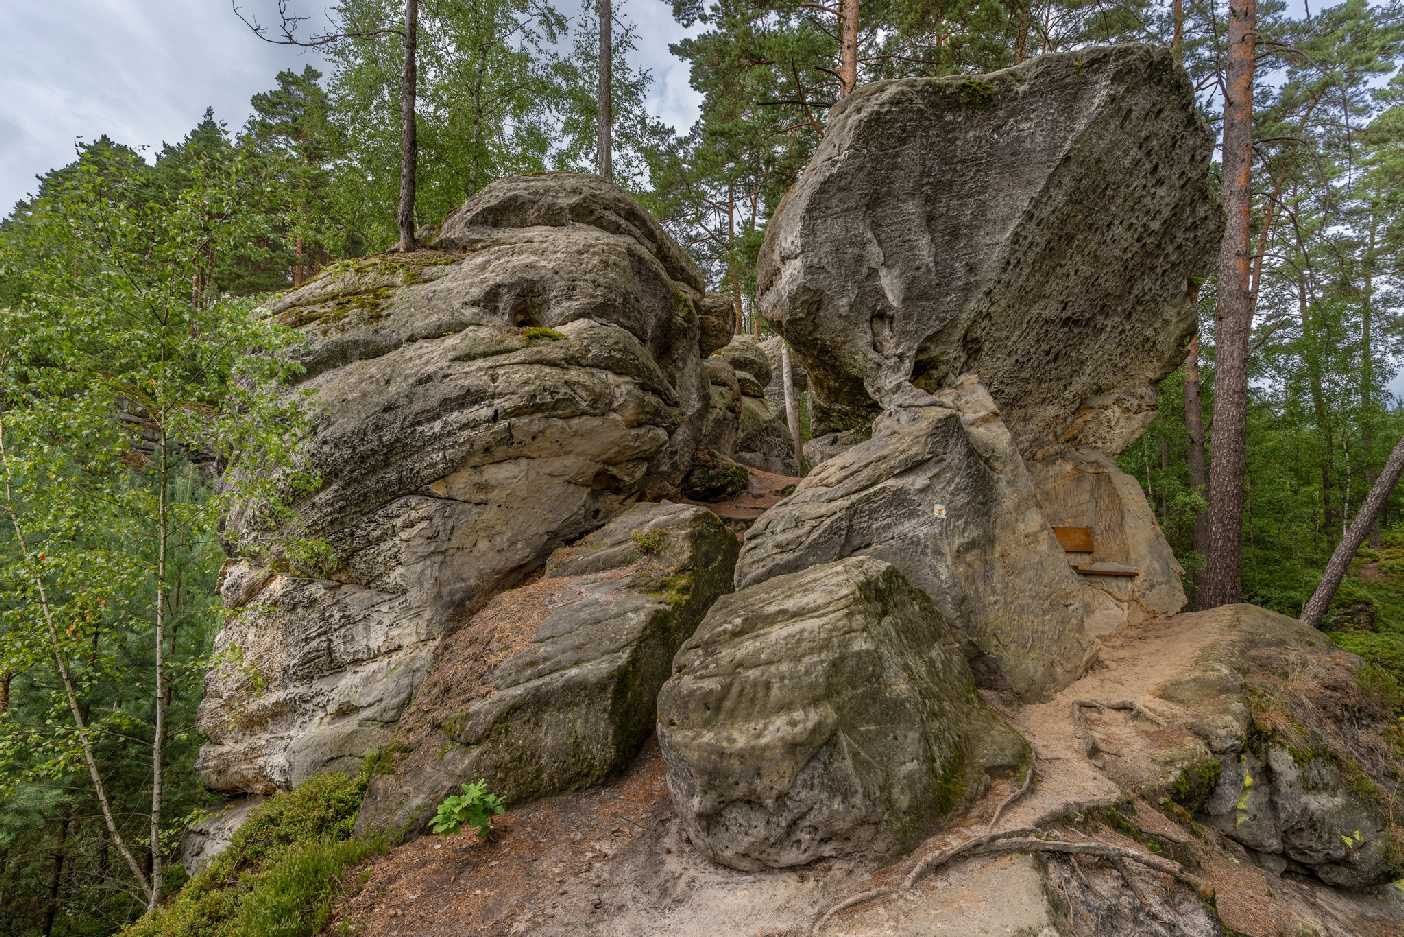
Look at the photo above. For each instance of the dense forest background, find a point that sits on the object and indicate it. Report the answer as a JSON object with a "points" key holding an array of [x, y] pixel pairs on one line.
{"points": [[134, 366]]}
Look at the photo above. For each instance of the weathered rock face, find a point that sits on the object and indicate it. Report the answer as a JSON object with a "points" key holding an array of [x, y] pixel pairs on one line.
{"points": [[823, 713], [1085, 489], [752, 366], [1302, 775], [745, 422], [554, 685], [477, 407], [723, 419], [1035, 226], [940, 492]]}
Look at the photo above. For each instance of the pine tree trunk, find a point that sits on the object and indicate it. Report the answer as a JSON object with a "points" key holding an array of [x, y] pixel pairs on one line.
{"points": [[299, 252], [848, 46], [1177, 34], [1234, 319], [605, 109], [1367, 370], [1335, 571], [409, 146], [56, 878]]}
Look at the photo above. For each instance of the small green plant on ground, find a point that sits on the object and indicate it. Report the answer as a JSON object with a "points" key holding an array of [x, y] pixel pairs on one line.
{"points": [[647, 541], [475, 806]]}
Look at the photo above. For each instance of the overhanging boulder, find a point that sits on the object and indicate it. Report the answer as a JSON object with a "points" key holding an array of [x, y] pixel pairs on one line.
{"points": [[1037, 226]]}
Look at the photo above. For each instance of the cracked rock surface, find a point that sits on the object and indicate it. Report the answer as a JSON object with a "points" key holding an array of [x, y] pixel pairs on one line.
{"points": [[475, 407]]}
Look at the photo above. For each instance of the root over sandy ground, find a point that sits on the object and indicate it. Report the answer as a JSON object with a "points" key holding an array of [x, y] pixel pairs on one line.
{"points": [[611, 862]]}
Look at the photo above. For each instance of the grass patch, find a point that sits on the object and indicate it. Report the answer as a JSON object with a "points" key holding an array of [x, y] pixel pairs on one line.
{"points": [[647, 541], [1382, 676], [281, 872], [541, 333]]}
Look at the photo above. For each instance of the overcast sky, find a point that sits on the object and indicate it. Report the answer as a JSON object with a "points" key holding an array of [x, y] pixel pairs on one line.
{"points": [[143, 71]]}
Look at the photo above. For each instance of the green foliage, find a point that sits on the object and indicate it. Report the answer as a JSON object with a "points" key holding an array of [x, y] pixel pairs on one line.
{"points": [[474, 806], [541, 333], [127, 375], [280, 872], [1195, 784], [647, 541], [1383, 672]]}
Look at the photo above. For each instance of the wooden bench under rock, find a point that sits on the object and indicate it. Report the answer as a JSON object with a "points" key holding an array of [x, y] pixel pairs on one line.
{"points": [[1079, 540]]}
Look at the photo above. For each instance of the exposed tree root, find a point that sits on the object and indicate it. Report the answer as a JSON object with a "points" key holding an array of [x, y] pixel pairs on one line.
{"points": [[1023, 789], [1090, 745], [1026, 839], [1021, 840]]}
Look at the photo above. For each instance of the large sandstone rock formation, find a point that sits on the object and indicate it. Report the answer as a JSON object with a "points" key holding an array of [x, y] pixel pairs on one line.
{"points": [[1293, 765], [747, 421], [823, 713], [940, 492], [553, 685], [1036, 226], [476, 407]]}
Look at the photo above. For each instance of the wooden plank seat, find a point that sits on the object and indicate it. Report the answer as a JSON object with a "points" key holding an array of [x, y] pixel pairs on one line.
{"points": [[1078, 540]]}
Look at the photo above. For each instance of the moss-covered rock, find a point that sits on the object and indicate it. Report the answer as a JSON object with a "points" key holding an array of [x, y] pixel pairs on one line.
{"points": [[280, 872], [714, 477], [824, 713]]}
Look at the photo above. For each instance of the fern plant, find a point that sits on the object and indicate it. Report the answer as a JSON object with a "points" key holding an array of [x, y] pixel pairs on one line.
{"points": [[475, 806]]}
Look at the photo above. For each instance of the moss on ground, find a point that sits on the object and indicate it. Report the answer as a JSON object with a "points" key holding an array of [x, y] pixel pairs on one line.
{"points": [[281, 872], [1195, 784]]}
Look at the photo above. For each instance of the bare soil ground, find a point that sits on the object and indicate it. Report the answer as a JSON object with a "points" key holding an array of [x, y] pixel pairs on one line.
{"points": [[764, 491], [610, 862]]}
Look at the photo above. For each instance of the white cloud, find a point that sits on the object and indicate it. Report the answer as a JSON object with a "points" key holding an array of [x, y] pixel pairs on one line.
{"points": [[143, 71]]}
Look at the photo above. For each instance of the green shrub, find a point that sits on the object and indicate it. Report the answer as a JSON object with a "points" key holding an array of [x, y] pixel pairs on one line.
{"points": [[293, 896], [476, 807], [280, 873]]}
